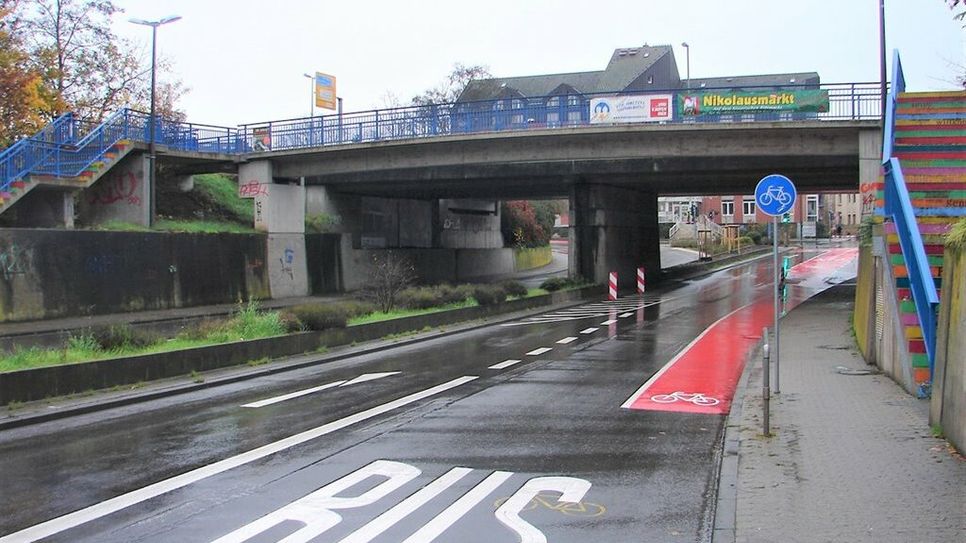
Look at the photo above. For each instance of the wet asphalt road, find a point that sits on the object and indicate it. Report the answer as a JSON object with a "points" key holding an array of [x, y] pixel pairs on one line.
{"points": [[550, 423]]}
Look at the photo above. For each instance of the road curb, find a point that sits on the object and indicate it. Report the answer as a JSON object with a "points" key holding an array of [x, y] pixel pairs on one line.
{"points": [[726, 500]]}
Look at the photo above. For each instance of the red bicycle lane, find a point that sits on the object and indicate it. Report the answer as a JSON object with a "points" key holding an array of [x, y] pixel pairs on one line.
{"points": [[702, 377]]}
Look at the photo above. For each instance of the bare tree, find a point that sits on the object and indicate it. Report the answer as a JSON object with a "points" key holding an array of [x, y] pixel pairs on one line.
{"points": [[451, 88], [391, 274]]}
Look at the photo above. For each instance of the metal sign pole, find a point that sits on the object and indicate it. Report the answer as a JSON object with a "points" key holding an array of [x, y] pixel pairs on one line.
{"points": [[774, 352]]}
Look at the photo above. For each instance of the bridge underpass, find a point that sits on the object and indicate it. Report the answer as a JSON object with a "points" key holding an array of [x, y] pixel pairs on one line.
{"points": [[611, 175]]}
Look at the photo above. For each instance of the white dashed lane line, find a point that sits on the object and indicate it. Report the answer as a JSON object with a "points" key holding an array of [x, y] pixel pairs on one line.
{"points": [[589, 330], [567, 340], [505, 364], [539, 351], [607, 322], [625, 315]]}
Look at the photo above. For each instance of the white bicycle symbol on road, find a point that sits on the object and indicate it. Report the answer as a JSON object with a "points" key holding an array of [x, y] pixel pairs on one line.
{"points": [[693, 397], [775, 193]]}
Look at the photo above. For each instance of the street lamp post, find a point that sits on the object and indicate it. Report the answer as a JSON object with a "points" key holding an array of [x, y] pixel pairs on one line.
{"points": [[152, 159], [687, 53], [311, 95]]}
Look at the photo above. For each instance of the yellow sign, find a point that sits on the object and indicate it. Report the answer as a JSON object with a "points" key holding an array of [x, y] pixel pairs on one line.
{"points": [[325, 96]]}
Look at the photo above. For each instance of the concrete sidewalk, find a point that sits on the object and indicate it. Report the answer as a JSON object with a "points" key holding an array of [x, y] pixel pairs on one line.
{"points": [[851, 457]]}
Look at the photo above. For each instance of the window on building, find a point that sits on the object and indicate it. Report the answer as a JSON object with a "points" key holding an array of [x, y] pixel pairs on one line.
{"points": [[553, 118], [516, 103], [748, 205], [574, 117], [727, 208], [499, 105], [573, 100], [811, 208]]}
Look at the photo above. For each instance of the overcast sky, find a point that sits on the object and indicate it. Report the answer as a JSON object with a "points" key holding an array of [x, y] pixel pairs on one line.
{"points": [[244, 59]]}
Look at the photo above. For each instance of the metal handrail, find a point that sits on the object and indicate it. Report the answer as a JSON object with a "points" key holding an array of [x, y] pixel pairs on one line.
{"points": [[26, 154], [898, 206]]}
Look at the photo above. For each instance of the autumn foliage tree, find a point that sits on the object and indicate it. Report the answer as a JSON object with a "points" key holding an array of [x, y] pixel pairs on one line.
{"points": [[21, 85], [526, 224]]}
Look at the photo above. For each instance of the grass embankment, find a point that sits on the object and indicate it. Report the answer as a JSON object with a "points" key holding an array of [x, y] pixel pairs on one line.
{"points": [[249, 322], [120, 341]]}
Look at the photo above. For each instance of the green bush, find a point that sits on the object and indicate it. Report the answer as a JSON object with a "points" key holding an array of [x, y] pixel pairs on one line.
{"points": [[291, 322], [745, 241], [357, 308], [320, 316], [489, 295], [514, 288], [419, 298], [450, 294], [555, 283], [116, 337]]}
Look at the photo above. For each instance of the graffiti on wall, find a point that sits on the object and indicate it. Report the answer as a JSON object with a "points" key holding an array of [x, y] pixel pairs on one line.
{"points": [[114, 188], [14, 260], [288, 262], [252, 189]]}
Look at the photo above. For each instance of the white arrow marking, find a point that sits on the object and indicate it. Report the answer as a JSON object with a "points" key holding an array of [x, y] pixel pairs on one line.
{"points": [[368, 377], [296, 394]]}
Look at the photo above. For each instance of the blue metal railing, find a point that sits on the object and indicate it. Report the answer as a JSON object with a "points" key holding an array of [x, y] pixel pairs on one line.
{"points": [[850, 101], [898, 206], [60, 149], [23, 156]]}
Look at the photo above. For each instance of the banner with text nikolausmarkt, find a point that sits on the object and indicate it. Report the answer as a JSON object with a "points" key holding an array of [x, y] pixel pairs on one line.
{"points": [[631, 109], [717, 103]]}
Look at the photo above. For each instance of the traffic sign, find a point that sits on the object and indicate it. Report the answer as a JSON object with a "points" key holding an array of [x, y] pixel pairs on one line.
{"points": [[775, 194]]}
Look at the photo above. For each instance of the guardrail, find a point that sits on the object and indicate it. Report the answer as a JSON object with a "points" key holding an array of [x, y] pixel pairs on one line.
{"points": [[848, 101], [898, 206], [23, 156]]}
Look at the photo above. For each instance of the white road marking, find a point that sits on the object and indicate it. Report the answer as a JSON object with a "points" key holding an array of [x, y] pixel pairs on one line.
{"points": [[539, 351], [454, 512], [386, 520], [567, 340], [571, 490], [625, 315], [296, 394], [608, 322], [102, 509], [505, 364], [589, 330], [369, 377]]}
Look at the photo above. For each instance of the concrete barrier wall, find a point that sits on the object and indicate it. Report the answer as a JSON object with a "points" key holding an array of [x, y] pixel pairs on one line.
{"points": [[863, 314], [59, 273], [948, 405], [531, 258]]}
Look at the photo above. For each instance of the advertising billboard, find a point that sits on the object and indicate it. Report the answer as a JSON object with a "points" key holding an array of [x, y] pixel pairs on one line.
{"points": [[721, 103], [325, 96], [646, 108]]}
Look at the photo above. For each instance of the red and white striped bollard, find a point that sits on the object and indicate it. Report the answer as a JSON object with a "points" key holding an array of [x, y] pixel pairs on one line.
{"points": [[640, 280], [612, 287]]}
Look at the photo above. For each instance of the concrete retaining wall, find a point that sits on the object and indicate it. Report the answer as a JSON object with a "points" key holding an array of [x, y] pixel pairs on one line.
{"points": [[863, 314], [40, 383], [59, 273], [948, 406]]}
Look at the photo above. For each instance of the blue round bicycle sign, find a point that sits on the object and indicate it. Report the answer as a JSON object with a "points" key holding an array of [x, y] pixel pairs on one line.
{"points": [[775, 194]]}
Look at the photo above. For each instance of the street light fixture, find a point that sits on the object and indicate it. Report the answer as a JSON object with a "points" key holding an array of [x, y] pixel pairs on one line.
{"points": [[311, 94], [687, 50], [152, 159]]}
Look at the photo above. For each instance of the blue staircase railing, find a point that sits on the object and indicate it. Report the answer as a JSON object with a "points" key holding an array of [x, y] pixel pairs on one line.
{"points": [[898, 206], [23, 156], [71, 160]]}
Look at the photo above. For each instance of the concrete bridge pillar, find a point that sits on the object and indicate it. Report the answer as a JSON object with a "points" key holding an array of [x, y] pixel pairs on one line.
{"points": [[279, 212], [613, 229]]}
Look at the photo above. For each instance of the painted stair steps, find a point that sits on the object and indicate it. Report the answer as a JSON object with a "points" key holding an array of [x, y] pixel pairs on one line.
{"points": [[930, 142]]}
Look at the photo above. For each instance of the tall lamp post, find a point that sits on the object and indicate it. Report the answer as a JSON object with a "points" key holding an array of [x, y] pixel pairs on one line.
{"points": [[152, 159], [687, 53], [311, 94]]}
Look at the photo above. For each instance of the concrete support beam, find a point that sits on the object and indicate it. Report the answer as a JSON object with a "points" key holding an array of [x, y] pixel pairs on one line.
{"points": [[870, 156], [120, 195], [613, 229]]}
